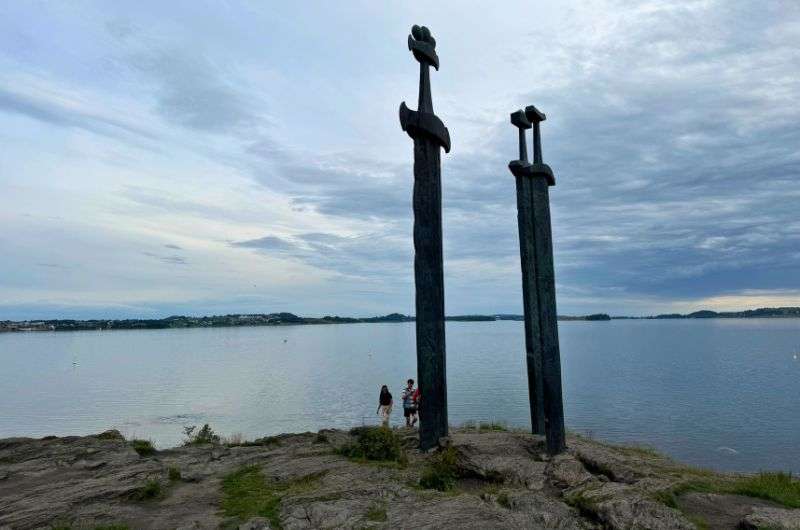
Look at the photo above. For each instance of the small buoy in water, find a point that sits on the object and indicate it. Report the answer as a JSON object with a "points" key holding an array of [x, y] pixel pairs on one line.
{"points": [[284, 340]]}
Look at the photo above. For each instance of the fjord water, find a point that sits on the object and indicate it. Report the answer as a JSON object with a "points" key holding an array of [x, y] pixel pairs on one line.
{"points": [[717, 393]]}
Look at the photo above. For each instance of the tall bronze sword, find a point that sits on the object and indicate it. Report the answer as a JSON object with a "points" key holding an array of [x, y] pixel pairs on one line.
{"points": [[429, 135], [521, 169], [539, 286], [541, 180]]}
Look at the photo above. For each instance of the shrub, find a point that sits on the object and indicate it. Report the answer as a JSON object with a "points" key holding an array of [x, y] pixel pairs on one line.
{"points": [[321, 438], [151, 490], [204, 436], [441, 471], [504, 501], [143, 447], [376, 513], [174, 473], [375, 443]]}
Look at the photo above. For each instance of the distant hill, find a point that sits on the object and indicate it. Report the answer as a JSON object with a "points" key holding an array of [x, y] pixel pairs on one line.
{"points": [[764, 312], [277, 319]]}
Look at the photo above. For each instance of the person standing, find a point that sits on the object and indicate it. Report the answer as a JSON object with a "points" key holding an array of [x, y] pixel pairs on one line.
{"points": [[409, 405], [385, 405]]}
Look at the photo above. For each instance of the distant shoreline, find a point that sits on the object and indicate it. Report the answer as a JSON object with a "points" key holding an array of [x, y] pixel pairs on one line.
{"points": [[278, 319]]}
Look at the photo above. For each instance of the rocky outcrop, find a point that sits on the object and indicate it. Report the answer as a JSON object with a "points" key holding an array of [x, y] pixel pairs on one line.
{"points": [[504, 480], [772, 518]]}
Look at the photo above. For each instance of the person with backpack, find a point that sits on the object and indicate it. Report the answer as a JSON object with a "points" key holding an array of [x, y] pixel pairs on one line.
{"points": [[409, 404]]}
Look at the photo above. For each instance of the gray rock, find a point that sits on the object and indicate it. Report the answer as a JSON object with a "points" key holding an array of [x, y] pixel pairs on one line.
{"points": [[772, 518], [92, 481], [257, 523]]}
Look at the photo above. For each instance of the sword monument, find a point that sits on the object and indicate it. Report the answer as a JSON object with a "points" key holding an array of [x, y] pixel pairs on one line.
{"points": [[538, 282], [429, 135]]}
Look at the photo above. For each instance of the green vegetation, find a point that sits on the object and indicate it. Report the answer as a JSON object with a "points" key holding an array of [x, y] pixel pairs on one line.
{"points": [[778, 487], [441, 472], [698, 522], [378, 444], [504, 501], [205, 435], [102, 527], [151, 490], [174, 473], [266, 441], [377, 513], [484, 426], [492, 427], [143, 447], [321, 438], [246, 494], [107, 435]]}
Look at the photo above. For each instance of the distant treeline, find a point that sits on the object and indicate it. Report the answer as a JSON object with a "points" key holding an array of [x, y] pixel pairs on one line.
{"points": [[764, 312], [260, 319], [274, 319]]}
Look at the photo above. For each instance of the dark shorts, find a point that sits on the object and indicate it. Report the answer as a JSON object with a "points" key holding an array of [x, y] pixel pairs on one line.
{"points": [[407, 412]]}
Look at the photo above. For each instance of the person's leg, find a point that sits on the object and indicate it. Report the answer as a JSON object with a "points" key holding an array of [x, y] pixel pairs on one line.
{"points": [[414, 417]]}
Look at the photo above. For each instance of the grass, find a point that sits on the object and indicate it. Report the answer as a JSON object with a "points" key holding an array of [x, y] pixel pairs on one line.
{"points": [[143, 447], [778, 487], [698, 522], [486, 426], [378, 444], [151, 490], [174, 473], [102, 527], [376, 513], [504, 501], [246, 494], [441, 472]]}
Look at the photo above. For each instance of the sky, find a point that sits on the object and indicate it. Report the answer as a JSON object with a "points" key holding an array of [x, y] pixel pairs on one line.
{"points": [[205, 158]]}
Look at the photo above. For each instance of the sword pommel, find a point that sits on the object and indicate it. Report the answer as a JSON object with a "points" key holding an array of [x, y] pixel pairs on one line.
{"points": [[533, 114], [423, 46]]}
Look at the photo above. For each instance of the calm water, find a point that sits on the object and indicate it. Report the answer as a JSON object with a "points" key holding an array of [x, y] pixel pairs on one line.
{"points": [[720, 393]]}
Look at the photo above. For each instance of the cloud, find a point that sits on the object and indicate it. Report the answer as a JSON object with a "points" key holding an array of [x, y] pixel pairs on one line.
{"points": [[64, 111], [171, 260], [671, 129], [369, 255], [193, 92]]}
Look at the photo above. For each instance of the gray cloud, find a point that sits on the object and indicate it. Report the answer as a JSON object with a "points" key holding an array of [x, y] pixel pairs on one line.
{"points": [[192, 91], [675, 150], [55, 112], [171, 260]]}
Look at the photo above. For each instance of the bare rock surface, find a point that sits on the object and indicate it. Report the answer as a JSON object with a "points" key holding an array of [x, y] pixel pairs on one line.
{"points": [[504, 480], [772, 518]]}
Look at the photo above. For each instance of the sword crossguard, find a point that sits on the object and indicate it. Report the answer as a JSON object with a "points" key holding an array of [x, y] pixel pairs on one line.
{"points": [[416, 123]]}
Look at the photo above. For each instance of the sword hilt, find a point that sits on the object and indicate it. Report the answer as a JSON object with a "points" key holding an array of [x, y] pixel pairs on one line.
{"points": [[423, 120]]}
